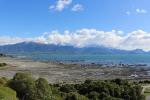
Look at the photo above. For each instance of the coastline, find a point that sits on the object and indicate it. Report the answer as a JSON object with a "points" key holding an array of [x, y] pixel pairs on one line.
{"points": [[58, 72]]}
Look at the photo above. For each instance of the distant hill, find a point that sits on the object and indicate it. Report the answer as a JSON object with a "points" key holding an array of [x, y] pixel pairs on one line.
{"points": [[38, 47]]}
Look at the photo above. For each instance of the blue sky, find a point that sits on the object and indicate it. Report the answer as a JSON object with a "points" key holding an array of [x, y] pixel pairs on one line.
{"points": [[30, 18], [122, 24]]}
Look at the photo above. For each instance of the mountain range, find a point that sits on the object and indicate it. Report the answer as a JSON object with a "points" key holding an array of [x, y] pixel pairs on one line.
{"points": [[38, 47]]}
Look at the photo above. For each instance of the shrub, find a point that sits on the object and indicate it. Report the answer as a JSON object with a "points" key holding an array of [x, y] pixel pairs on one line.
{"points": [[75, 96], [44, 91], [2, 64], [24, 85], [3, 81], [67, 88], [7, 94]]}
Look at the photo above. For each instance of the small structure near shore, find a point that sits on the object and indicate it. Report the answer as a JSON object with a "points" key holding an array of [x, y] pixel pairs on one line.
{"points": [[134, 75]]}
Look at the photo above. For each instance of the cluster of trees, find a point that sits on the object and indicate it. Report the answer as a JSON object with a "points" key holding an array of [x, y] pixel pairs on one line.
{"points": [[105, 90], [24, 87], [145, 82]]}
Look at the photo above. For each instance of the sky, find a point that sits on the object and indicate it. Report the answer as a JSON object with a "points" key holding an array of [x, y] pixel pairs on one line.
{"points": [[123, 24]]}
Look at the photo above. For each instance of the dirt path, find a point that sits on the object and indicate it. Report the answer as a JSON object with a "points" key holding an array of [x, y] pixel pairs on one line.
{"points": [[147, 97], [144, 88]]}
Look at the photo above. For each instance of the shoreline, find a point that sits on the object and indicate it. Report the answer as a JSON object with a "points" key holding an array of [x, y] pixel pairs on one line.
{"points": [[58, 72]]}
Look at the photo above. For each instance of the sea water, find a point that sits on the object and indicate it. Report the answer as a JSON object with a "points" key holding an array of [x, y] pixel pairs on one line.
{"points": [[87, 58]]}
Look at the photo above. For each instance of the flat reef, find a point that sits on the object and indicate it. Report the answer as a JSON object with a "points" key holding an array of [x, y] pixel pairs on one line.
{"points": [[60, 72]]}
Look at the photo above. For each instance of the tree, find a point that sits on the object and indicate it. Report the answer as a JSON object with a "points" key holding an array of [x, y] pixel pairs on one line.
{"points": [[93, 96], [103, 95], [3, 81], [24, 85], [67, 88], [75, 96], [120, 81], [44, 91]]}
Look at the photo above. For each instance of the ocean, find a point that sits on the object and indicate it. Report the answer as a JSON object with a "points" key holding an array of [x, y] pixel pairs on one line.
{"points": [[86, 58]]}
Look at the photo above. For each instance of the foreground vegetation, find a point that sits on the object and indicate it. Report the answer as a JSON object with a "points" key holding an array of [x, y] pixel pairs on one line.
{"points": [[2, 64], [24, 87]]}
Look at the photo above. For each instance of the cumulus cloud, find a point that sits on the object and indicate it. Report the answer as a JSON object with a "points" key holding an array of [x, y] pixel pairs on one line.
{"points": [[60, 5], [77, 7], [90, 37], [136, 40]]}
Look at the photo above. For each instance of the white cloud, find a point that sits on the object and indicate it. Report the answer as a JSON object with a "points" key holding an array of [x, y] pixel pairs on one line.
{"points": [[90, 37], [141, 11], [136, 11], [4, 40], [60, 5], [136, 40], [77, 7]]}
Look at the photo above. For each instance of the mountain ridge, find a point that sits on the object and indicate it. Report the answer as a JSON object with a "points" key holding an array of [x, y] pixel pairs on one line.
{"points": [[39, 47]]}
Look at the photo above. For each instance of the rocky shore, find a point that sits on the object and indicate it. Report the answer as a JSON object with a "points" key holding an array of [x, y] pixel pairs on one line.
{"points": [[60, 72]]}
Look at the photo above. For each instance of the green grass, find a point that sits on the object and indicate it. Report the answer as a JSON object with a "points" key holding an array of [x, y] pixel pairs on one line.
{"points": [[147, 92]]}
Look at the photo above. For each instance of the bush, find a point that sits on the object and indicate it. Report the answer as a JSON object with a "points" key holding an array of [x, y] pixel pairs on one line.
{"points": [[93, 96], [7, 94], [24, 85], [2, 64], [3, 81], [75, 96], [44, 91], [67, 88], [27, 88]]}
